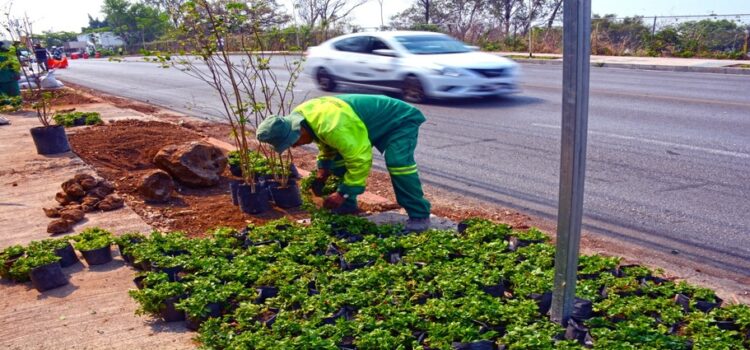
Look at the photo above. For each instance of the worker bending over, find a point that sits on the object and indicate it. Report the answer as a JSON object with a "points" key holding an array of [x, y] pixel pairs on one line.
{"points": [[346, 127]]}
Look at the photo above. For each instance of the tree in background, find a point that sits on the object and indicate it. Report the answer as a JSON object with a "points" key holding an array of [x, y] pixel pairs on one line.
{"points": [[612, 36], [135, 22], [326, 14], [170, 7], [95, 25], [50, 38], [267, 14], [723, 37]]}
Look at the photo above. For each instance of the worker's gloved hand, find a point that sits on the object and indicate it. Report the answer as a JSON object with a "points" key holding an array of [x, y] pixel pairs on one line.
{"points": [[320, 181], [334, 201]]}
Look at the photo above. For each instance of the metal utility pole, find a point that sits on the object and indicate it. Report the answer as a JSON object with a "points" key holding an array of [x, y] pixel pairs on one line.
{"points": [[575, 103], [530, 29], [653, 28]]}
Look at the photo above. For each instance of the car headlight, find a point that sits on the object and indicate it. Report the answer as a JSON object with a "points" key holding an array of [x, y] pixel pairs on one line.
{"points": [[448, 72]]}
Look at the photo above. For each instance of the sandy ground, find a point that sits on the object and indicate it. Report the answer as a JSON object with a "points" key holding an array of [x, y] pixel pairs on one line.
{"points": [[94, 310]]}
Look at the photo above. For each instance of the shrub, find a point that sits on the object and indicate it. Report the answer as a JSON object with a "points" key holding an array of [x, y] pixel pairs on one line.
{"points": [[77, 118]]}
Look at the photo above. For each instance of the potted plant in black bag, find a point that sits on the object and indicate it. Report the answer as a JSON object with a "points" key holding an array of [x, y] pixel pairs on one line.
{"points": [[45, 271], [48, 138], [284, 189], [96, 245]]}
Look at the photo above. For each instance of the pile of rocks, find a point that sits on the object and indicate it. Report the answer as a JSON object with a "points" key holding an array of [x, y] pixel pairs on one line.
{"points": [[81, 194]]}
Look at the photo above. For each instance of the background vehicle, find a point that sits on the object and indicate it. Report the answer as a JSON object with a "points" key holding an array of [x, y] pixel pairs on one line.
{"points": [[419, 65]]}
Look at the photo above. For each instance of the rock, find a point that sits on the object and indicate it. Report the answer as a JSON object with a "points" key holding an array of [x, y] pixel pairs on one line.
{"points": [[62, 198], [59, 226], [86, 181], [52, 212], [73, 215], [73, 189], [72, 206], [83, 177], [111, 202], [88, 184], [194, 163], [156, 186], [89, 203], [102, 190]]}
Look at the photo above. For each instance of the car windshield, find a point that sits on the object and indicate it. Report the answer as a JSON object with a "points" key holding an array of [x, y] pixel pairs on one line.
{"points": [[431, 44]]}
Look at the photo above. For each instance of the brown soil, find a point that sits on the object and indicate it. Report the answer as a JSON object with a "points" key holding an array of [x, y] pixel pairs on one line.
{"points": [[122, 152], [60, 97]]}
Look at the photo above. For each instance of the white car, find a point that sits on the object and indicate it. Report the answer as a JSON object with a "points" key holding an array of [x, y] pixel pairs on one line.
{"points": [[419, 65]]}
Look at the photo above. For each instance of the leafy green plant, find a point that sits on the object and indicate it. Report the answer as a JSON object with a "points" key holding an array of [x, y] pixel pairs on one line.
{"points": [[8, 258], [93, 238], [208, 290], [285, 287], [77, 118], [10, 103], [157, 289]]}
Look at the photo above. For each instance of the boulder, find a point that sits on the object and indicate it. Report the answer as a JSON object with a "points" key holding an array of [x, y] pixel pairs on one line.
{"points": [[156, 186], [196, 163], [89, 203], [59, 226], [111, 202], [73, 215], [73, 189], [63, 198], [102, 190], [88, 184], [52, 212]]}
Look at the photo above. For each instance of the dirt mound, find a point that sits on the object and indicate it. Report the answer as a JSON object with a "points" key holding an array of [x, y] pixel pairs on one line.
{"points": [[60, 97], [122, 152]]}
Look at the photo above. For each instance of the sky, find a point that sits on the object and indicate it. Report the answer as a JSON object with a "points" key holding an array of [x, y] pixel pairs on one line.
{"points": [[71, 15]]}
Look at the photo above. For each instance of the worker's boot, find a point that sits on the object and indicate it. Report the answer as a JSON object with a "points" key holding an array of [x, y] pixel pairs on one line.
{"points": [[417, 224]]}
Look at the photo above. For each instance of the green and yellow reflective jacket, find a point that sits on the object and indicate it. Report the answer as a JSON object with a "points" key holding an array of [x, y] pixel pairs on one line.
{"points": [[350, 125]]}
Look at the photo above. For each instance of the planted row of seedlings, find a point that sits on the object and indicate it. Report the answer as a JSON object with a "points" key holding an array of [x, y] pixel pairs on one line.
{"points": [[72, 119], [345, 283], [273, 181], [41, 262]]}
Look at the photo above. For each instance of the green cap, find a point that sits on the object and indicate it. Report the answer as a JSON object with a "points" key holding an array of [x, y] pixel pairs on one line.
{"points": [[281, 132]]}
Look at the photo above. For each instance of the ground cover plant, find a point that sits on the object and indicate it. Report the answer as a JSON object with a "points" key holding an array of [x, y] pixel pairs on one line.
{"points": [[71, 119], [10, 103], [344, 283], [17, 261]]}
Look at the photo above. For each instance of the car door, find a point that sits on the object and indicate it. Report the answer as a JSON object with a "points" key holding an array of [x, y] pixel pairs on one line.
{"points": [[347, 53], [377, 69]]}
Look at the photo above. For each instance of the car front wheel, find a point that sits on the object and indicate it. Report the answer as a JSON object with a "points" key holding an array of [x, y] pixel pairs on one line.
{"points": [[325, 80], [412, 90]]}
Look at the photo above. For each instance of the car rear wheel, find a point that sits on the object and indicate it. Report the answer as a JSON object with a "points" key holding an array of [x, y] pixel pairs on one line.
{"points": [[325, 80], [412, 90]]}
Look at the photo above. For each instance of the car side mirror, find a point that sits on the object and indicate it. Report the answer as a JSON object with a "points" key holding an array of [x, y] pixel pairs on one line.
{"points": [[385, 52]]}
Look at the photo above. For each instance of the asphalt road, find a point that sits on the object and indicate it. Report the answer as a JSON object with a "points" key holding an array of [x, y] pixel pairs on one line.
{"points": [[668, 163]]}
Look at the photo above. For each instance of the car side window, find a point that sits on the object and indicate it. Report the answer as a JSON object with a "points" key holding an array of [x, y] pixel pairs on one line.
{"points": [[377, 44], [355, 44]]}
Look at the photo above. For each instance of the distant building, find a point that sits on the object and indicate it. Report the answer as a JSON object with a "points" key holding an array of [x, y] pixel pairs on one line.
{"points": [[103, 39]]}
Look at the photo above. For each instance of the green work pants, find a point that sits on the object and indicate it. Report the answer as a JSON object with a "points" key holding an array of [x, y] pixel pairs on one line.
{"points": [[399, 159]]}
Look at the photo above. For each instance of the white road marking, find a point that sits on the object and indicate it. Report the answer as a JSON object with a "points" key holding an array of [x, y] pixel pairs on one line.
{"points": [[657, 142]]}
